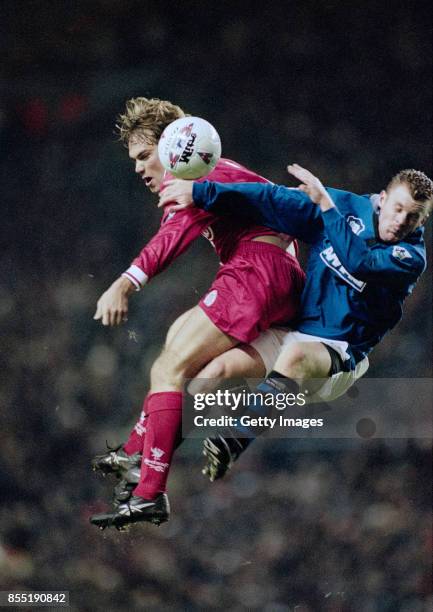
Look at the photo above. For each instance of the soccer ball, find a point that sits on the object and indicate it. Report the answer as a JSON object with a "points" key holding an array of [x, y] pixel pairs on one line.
{"points": [[189, 148]]}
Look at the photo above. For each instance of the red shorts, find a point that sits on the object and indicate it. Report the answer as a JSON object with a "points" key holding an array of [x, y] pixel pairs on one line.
{"points": [[258, 287]]}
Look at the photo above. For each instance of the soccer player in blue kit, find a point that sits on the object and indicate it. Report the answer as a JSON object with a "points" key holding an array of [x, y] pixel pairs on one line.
{"points": [[366, 255]]}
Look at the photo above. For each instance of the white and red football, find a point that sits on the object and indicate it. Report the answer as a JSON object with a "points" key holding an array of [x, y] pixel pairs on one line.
{"points": [[189, 148]]}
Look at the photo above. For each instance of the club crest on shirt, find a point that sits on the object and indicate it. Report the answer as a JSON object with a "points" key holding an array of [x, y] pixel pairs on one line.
{"points": [[169, 216], [400, 252], [210, 298], [356, 224], [329, 258]]}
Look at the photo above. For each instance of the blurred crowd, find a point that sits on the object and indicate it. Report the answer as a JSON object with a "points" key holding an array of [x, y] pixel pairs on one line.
{"points": [[320, 529], [300, 527]]}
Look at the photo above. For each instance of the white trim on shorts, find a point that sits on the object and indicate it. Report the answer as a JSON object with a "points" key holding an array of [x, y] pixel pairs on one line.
{"points": [[271, 343]]}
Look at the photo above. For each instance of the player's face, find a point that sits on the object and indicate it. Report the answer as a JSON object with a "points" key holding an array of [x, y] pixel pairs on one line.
{"points": [[147, 164], [399, 214]]}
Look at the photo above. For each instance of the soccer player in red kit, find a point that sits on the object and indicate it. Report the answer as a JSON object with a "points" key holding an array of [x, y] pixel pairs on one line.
{"points": [[258, 285]]}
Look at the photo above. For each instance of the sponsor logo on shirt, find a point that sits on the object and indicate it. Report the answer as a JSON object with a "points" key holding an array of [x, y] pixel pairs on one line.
{"points": [[329, 258], [400, 253], [356, 224]]}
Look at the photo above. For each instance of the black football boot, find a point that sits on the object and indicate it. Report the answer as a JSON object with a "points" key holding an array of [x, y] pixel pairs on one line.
{"points": [[116, 461], [136, 510], [221, 453], [125, 486]]}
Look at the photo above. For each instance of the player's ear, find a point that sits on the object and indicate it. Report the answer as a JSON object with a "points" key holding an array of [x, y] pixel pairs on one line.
{"points": [[382, 198], [423, 220]]}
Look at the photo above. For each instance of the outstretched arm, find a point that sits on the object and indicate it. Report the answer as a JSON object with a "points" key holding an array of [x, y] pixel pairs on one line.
{"points": [[173, 238], [280, 208]]}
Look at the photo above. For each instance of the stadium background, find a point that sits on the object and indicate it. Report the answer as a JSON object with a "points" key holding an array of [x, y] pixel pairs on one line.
{"points": [[342, 89]]}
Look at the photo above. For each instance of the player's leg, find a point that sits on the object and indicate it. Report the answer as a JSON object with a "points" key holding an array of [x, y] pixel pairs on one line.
{"points": [[304, 361], [177, 325], [238, 363], [261, 285], [323, 368], [195, 344], [242, 361], [302, 367], [127, 457], [298, 363], [134, 444]]}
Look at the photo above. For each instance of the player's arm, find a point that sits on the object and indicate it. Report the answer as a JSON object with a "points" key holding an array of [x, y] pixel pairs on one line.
{"points": [[173, 238], [283, 209], [395, 263]]}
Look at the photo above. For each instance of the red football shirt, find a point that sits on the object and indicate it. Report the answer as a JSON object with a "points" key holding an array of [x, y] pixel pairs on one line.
{"points": [[179, 229]]}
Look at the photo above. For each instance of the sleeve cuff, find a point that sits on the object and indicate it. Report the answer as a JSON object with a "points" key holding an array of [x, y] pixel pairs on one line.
{"points": [[332, 214], [198, 191], [137, 277]]}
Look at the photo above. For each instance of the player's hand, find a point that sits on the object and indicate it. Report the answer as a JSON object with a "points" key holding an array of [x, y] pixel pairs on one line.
{"points": [[178, 194], [312, 186], [112, 306]]}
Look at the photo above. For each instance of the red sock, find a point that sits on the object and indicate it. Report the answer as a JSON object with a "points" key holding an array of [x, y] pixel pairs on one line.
{"points": [[135, 442], [163, 431]]}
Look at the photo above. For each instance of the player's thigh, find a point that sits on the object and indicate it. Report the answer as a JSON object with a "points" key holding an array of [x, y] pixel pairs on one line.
{"points": [[177, 324], [242, 361], [197, 342], [304, 360]]}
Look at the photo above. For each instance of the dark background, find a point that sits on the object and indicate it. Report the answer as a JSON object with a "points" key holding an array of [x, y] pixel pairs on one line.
{"points": [[343, 89]]}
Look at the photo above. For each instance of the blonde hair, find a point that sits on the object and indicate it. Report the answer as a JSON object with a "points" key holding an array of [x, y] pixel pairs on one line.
{"points": [[149, 115], [419, 185]]}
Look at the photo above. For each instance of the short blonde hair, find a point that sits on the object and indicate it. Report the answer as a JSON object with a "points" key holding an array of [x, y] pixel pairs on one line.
{"points": [[419, 185], [151, 115]]}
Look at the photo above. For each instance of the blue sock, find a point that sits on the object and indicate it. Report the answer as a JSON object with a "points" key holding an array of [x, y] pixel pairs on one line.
{"points": [[274, 384]]}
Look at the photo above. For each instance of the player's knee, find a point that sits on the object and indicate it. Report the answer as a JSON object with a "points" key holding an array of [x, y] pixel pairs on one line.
{"points": [[294, 362], [167, 368], [218, 368]]}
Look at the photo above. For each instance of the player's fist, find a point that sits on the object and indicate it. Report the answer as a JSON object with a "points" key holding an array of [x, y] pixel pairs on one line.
{"points": [[178, 194], [312, 186], [112, 306]]}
